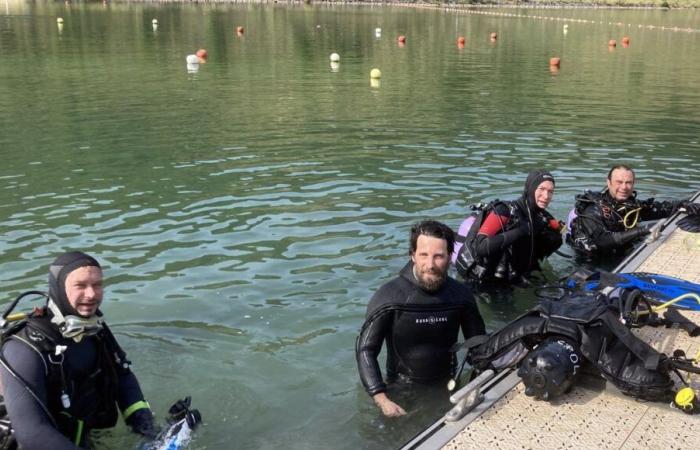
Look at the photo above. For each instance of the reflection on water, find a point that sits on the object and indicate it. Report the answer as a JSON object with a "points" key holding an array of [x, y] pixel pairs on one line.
{"points": [[245, 213]]}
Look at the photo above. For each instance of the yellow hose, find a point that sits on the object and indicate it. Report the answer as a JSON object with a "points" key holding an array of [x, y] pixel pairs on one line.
{"points": [[676, 300], [16, 316], [636, 218]]}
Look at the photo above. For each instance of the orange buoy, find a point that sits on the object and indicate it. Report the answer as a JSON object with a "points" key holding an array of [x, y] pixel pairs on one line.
{"points": [[402, 39], [201, 53], [460, 45], [240, 30], [461, 40], [554, 62], [626, 40], [494, 36], [612, 43]]}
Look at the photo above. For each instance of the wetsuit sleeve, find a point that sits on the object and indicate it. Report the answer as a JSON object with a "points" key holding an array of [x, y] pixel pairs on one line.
{"points": [[472, 322], [33, 428], [135, 410], [369, 343], [653, 210], [490, 239], [548, 242]]}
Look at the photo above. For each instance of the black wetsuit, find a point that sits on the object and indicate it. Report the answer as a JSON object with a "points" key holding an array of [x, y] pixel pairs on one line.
{"points": [[89, 400], [599, 228], [419, 328], [516, 250]]}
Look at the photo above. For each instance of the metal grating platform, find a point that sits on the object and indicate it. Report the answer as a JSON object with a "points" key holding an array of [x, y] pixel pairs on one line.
{"points": [[679, 257], [588, 418]]}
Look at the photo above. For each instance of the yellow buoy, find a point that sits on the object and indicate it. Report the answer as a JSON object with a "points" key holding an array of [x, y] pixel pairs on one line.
{"points": [[375, 74]]}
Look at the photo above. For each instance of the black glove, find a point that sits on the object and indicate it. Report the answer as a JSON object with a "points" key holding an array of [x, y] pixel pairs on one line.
{"points": [[692, 209], [143, 423], [622, 238]]}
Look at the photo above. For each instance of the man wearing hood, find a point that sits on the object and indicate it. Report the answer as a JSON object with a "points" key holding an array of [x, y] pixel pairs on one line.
{"points": [[63, 372], [418, 314], [510, 238], [609, 222]]}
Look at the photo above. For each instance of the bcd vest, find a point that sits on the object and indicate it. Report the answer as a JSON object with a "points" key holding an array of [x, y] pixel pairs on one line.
{"points": [[91, 398], [593, 322]]}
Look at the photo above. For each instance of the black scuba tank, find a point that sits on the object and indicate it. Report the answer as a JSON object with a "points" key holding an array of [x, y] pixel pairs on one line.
{"points": [[551, 369]]}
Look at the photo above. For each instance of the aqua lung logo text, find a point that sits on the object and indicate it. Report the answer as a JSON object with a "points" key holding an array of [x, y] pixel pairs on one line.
{"points": [[432, 320]]}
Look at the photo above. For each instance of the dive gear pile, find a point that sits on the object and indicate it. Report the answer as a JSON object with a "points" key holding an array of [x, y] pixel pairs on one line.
{"points": [[553, 341]]}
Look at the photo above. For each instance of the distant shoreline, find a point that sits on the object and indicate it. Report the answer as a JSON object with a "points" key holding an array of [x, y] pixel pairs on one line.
{"points": [[560, 4]]}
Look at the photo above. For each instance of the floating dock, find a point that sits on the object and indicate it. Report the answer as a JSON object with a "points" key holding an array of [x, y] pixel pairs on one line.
{"points": [[592, 415]]}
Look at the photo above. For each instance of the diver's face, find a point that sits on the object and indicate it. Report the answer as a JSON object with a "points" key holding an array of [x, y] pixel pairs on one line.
{"points": [[621, 184], [431, 261], [544, 194], [84, 290]]}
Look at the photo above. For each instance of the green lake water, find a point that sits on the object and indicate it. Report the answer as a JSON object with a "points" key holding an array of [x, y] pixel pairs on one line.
{"points": [[246, 211]]}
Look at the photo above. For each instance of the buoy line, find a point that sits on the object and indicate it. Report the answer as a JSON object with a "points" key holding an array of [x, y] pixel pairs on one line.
{"points": [[483, 10]]}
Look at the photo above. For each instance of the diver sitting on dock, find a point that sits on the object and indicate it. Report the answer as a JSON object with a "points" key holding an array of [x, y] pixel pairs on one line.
{"points": [[508, 239], [419, 315], [63, 372], [608, 222]]}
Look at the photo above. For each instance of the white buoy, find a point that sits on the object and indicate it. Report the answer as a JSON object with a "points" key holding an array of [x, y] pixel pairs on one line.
{"points": [[192, 59], [378, 32], [154, 21], [375, 73], [335, 57], [59, 20], [335, 66]]}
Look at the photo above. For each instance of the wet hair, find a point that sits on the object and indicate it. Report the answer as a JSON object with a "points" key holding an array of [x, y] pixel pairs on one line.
{"points": [[623, 167], [432, 228]]}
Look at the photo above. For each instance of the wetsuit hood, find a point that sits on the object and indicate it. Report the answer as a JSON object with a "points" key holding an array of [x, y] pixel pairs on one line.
{"points": [[58, 272], [533, 180]]}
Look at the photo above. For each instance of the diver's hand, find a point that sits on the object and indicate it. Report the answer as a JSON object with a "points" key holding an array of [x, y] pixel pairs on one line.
{"points": [[142, 422], [692, 209], [643, 229], [389, 408]]}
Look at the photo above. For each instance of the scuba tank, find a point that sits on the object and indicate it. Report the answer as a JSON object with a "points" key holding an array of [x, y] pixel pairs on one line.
{"points": [[551, 369]]}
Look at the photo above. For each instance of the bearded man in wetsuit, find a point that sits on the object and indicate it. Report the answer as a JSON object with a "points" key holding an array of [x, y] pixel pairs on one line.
{"points": [[510, 238], [418, 314], [609, 222], [63, 372]]}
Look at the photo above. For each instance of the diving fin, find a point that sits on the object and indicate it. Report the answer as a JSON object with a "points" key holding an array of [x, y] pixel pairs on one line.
{"points": [[690, 224], [655, 287]]}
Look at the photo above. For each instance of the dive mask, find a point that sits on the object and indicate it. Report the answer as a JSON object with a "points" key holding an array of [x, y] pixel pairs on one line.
{"points": [[75, 327]]}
